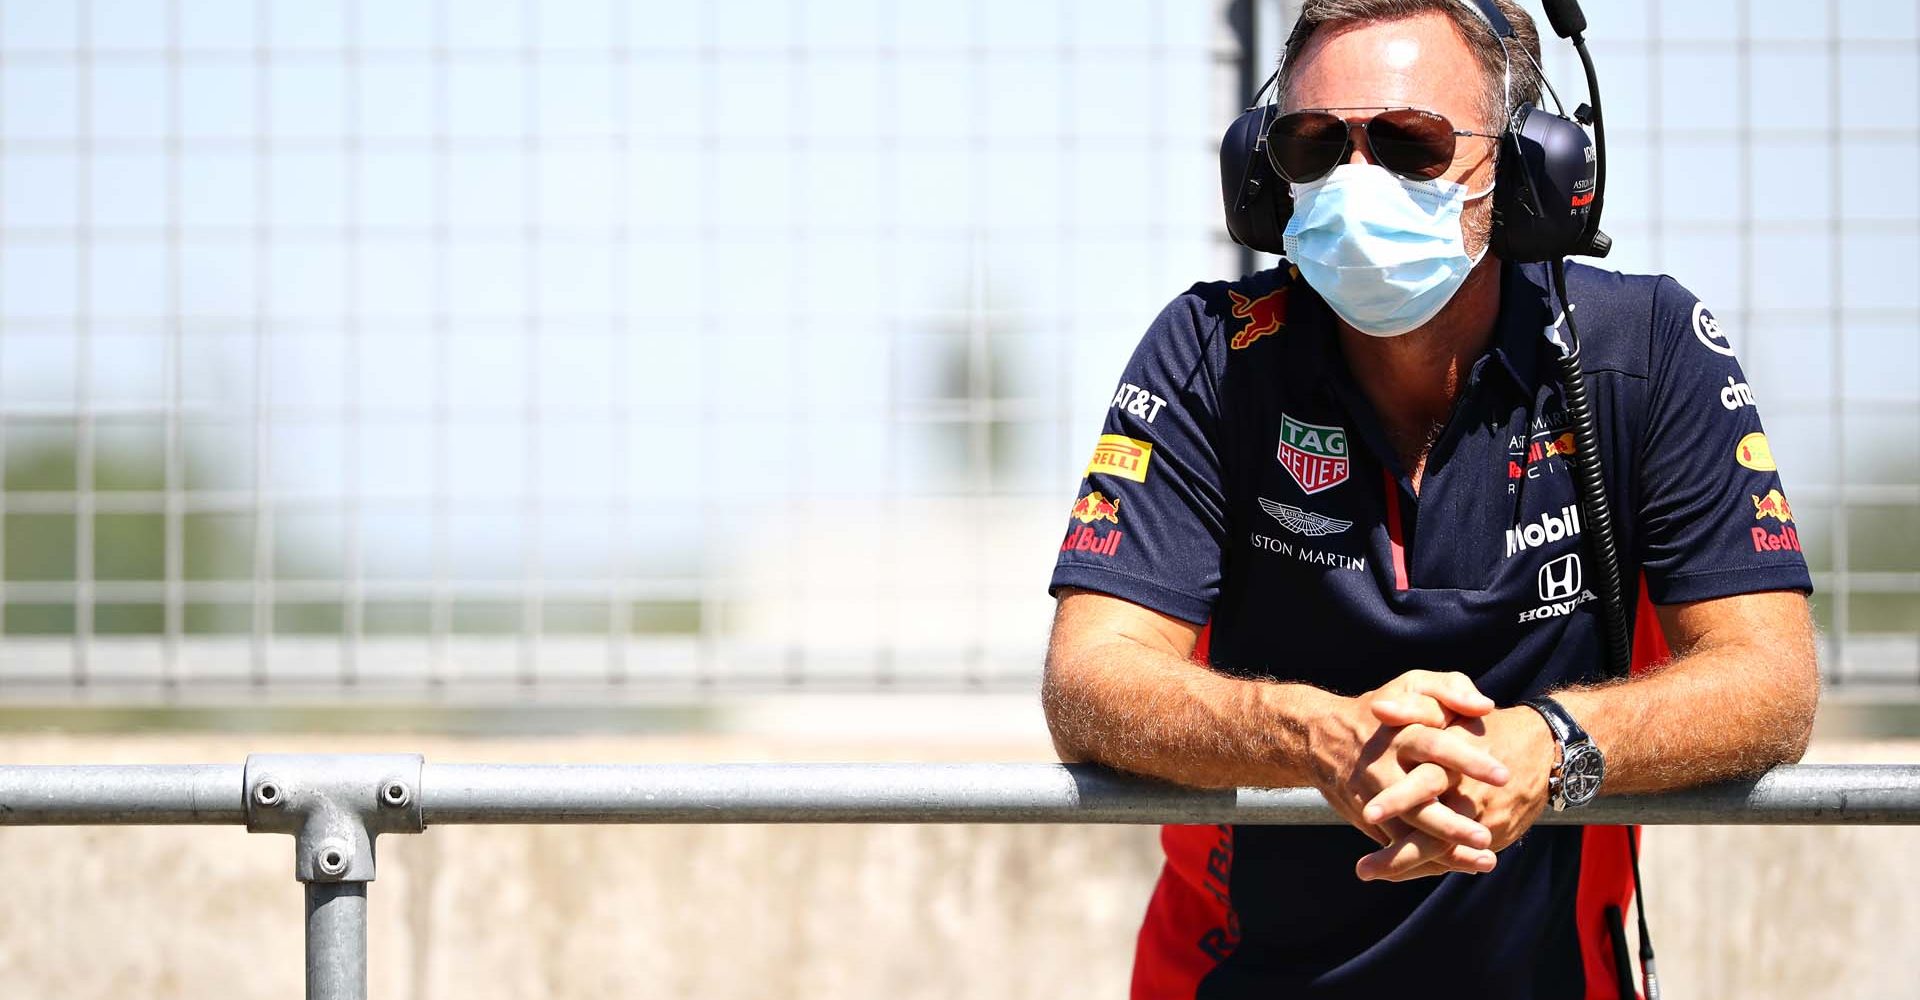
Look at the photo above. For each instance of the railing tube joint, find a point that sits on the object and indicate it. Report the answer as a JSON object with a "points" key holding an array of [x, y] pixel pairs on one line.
{"points": [[334, 805]]}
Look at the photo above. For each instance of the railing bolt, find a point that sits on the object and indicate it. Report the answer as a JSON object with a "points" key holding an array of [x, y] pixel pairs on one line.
{"points": [[331, 858], [395, 794], [267, 794]]}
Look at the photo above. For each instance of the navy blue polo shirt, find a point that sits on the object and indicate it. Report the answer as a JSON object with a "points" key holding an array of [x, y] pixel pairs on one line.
{"points": [[1242, 481]]}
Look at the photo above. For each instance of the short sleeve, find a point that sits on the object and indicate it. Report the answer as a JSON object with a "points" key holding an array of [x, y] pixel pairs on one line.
{"points": [[1148, 522], [1714, 514]]}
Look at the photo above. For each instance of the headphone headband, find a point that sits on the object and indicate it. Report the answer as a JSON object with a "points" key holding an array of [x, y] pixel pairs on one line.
{"points": [[1496, 21]]}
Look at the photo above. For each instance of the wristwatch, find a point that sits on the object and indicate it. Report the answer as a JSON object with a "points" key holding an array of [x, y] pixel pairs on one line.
{"points": [[1580, 767]]}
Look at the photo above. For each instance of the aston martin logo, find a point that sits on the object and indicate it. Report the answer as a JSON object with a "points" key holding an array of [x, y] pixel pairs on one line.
{"points": [[1303, 522]]}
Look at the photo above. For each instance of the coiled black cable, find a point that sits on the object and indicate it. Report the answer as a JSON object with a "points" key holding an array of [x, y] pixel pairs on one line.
{"points": [[1594, 508], [1590, 484]]}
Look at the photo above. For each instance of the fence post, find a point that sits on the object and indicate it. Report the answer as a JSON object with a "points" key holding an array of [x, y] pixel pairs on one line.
{"points": [[336, 941], [334, 805]]}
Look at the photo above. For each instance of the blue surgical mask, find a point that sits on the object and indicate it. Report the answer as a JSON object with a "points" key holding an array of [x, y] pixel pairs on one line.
{"points": [[1386, 252]]}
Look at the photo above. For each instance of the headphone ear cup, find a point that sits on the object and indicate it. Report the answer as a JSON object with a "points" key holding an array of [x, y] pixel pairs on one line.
{"points": [[1514, 205], [1544, 188], [1258, 201]]}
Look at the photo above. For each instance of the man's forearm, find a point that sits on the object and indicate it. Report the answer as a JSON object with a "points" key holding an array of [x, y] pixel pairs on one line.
{"points": [[1124, 705], [1725, 712]]}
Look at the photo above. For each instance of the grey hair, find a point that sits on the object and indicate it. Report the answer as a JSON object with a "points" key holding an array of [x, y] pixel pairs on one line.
{"points": [[1467, 19]]}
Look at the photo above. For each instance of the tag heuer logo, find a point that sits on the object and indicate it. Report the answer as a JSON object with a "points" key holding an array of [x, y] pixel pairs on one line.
{"points": [[1315, 456]]}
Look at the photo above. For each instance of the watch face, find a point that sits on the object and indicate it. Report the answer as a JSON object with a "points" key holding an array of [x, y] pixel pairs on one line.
{"points": [[1580, 774]]}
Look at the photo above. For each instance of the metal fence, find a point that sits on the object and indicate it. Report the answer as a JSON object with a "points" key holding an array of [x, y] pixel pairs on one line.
{"points": [[473, 350], [453, 348], [335, 806]]}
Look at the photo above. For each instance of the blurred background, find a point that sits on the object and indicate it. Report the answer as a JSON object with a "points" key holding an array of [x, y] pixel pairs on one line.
{"points": [[463, 352], [717, 372]]}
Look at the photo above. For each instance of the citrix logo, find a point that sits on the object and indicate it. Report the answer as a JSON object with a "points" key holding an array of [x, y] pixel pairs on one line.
{"points": [[1736, 394], [1550, 528]]}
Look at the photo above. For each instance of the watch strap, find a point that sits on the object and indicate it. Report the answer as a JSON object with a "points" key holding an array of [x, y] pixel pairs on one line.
{"points": [[1565, 729]]}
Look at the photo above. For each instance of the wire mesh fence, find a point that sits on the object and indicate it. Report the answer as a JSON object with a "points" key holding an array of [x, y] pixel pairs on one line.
{"points": [[478, 349]]}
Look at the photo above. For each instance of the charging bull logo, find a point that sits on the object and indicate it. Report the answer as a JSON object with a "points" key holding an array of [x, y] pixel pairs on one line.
{"points": [[1095, 507], [1537, 455], [1083, 537], [1773, 505], [1562, 445], [1264, 315]]}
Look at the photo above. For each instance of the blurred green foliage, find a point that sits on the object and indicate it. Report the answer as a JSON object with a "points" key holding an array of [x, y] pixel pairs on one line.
{"points": [[40, 547]]}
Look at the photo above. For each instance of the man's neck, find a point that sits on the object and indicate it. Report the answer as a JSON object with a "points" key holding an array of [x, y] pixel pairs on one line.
{"points": [[1413, 379]]}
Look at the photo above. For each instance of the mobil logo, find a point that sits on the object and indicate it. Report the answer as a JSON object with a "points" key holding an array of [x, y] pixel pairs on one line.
{"points": [[1315, 455], [1551, 527]]}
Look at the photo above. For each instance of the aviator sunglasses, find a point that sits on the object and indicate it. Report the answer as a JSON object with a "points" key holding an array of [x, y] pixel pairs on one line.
{"points": [[1304, 146]]}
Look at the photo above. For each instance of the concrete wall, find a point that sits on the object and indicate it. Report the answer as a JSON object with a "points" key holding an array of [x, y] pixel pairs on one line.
{"points": [[473, 913]]}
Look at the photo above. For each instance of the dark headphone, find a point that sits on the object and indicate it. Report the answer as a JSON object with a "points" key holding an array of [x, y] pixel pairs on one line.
{"points": [[1548, 186]]}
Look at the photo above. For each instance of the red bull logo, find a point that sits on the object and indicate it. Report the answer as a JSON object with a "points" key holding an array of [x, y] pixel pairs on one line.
{"points": [[1095, 507], [1085, 539], [1562, 445], [1082, 537], [1264, 315], [1541, 452], [1788, 540], [1773, 505]]}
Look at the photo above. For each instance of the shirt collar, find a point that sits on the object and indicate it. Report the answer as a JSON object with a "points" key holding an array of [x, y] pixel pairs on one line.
{"points": [[1314, 362], [1519, 335], [1313, 350]]}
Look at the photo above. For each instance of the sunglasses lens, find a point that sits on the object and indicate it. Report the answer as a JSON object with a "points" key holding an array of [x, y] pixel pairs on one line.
{"points": [[1304, 145], [1412, 143]]}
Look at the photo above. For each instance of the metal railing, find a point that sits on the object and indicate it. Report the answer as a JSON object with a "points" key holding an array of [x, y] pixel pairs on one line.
{"points": [[335, 805]]}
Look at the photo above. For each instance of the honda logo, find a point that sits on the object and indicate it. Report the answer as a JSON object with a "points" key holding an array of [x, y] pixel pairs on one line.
{"points": [[1560, 579]]}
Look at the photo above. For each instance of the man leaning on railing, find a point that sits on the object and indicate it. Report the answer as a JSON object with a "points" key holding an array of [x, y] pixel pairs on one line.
{"points": [[1332, 536]]}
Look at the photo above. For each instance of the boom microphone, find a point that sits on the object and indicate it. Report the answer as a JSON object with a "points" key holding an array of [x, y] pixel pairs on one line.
{"points": [[1566, 18]]}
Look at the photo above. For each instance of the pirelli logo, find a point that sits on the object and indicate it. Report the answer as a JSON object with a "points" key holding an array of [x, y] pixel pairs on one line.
{"points": [[1118, 455]]}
